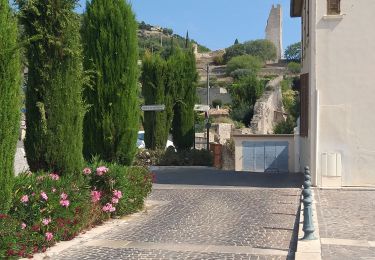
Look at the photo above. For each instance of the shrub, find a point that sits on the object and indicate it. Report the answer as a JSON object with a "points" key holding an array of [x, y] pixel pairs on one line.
{"points": [[240, 73], [9, 101], [286, 127], [219, 60], [246, 62], [294, 67], [48, 208], [262, 49]]}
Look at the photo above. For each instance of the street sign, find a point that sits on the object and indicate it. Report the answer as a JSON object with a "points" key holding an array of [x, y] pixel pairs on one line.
{"points": [[153, 108], [203, 108]]}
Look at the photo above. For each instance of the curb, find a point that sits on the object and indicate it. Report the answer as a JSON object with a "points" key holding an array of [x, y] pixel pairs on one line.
{"points": [[308, 249]]}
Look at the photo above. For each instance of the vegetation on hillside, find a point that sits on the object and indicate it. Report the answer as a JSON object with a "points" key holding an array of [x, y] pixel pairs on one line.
{"points": [[262, 49]]}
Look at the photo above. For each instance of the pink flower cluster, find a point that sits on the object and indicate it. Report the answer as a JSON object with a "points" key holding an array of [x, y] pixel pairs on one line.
{"points": [[44, 195], [95, 196], [86, 171], [101, 170], [24, 199], [46, 221], [108, 208], [23, 225], [54, 176], [49, 236], [64, 200], [117, 194]]}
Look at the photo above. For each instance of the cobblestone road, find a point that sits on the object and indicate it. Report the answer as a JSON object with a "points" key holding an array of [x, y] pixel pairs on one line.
{"points": [[346, 223], [202, 222]]}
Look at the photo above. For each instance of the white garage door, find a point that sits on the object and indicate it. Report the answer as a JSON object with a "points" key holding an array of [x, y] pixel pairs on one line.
{"points": [[265, 156]]}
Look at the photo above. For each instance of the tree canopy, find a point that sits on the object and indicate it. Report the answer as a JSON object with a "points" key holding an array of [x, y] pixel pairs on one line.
{"points": [[293, 52]]}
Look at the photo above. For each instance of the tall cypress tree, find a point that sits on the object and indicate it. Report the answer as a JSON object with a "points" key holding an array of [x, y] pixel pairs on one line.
{"points": [[154, 78], [110, 49], [54, 109], [183, 79], [9, 101]]}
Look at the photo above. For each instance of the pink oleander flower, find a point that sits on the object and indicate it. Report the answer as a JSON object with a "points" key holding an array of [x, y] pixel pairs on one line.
{"points": [[23, 225], [64, 196], [101, 170], [54, 176], [95, 196], [33, 194], [46, 221], [117, 194], [53, 189], [86, 171], [108, 208], [64, 203], [49, 236], [24, 198], [114, 200], [44, 195]]}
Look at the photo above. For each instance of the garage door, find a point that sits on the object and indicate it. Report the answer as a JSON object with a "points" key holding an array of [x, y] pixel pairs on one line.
{"points": [[265, 156]]}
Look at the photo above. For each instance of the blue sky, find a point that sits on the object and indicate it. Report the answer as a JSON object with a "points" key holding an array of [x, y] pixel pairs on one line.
{"points": [[215, 23]]}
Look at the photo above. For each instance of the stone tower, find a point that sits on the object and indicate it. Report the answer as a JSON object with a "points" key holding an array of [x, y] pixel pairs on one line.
{"points": [[274, 31]]}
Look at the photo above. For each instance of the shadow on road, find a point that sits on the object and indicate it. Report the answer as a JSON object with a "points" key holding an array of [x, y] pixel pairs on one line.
{"points": [[214, 177]]}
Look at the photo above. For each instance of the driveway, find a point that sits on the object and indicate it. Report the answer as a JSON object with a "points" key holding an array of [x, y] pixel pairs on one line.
{"points": [[203, 213]]}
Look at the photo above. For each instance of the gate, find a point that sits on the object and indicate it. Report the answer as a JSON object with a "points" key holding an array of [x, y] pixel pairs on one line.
{"points": [[265, 156]]}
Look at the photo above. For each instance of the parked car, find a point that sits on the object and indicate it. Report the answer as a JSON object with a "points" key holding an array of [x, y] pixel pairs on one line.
{"points": [[141, 141]]}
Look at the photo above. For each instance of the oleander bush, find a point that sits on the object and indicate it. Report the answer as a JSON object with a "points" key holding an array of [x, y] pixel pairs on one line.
{"points": [[48, 207]]}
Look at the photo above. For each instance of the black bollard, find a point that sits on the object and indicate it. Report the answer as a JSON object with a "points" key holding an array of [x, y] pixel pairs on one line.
{"points": [[308, 224]]}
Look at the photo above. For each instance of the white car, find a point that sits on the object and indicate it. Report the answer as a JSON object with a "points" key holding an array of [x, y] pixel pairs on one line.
{"points": [[141, 141]]}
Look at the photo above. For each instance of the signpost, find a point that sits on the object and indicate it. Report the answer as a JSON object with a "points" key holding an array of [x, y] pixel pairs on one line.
{"points": [[202, 108], [153, 108]]}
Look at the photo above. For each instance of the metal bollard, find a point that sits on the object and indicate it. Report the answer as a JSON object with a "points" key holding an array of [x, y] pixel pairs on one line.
{"points": [[308, 225]]}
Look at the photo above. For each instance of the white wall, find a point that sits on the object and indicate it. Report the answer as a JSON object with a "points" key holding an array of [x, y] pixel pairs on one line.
{"points": [[345, 58]]}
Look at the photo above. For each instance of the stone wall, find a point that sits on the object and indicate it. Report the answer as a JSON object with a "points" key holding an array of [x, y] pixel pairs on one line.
{"points": [[268, 110], [274, 29]]}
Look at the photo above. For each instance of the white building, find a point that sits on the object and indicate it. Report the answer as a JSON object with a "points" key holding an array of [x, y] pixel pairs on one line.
{"points": [[338, 91]]}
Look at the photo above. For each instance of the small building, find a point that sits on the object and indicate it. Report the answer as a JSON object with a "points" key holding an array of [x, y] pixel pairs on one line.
{"points": [[337, 124]]}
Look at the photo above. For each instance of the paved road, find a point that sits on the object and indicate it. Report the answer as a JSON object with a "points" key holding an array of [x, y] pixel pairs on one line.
{"points": [[346, 223], [207, 220]]}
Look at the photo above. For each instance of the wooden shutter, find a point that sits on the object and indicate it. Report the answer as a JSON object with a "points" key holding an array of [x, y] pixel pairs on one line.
{"points": [[333, 7], [304, 96]]}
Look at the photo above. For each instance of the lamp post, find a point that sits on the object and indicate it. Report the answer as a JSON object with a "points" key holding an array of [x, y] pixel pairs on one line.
{"points": [[208, 125]]}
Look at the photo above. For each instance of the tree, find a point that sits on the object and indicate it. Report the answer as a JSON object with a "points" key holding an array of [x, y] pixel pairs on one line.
{"points": [[182, 80], [109, 34], [293, 52], [54, 108], [10, 70], [154, 79], [245, 92], [236, 42], [187, 40], [262, 49], [244, 62]]}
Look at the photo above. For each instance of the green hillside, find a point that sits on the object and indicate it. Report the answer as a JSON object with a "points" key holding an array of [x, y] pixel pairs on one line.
{"points": [[158, 39]]}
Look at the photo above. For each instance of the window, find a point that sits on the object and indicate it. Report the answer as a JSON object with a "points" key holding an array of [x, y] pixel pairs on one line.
{"points": [[304, 102], [333, 7]]}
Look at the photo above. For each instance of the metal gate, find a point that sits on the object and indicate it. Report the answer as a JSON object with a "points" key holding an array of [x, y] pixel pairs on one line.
{"points": [[265, 156]]}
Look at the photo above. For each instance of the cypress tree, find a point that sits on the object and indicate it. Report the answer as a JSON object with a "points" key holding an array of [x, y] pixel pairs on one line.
{"points": [[110, 49], [154, 75], [187, 40], [183, 79], [54, 108], [9, 101]]}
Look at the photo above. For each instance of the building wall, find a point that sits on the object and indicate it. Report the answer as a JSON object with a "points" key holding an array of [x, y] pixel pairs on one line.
{"points": [[274, 29], [239, 139], [345, 81]]}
